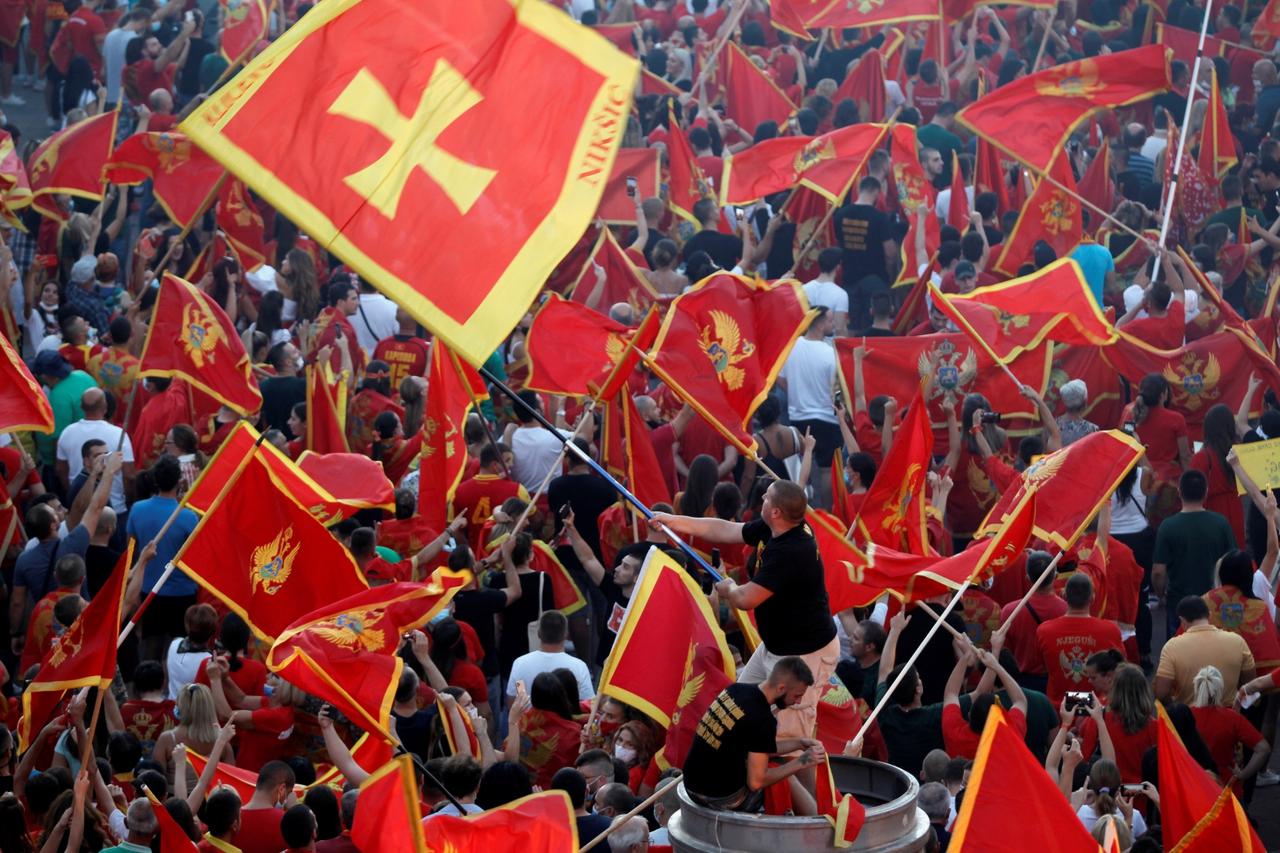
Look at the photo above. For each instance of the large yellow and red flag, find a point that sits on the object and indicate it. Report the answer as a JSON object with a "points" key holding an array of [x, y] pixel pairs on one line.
{"points": [[192, 337], [83, 656], [260, 552], [843, 15], [1031, 118], [15, 188], [1008, 780], [742, 329], [401, 120], [183, 178], [842, 562], [240, 222], [750, 95], [826, 164], [1217, 145], [244, 24], [1018, 316], [23, 404], [603, 355], [686, 185], [70, 162], [455, 388], [1197, 813], [893, 511], [1072, 484], [392, 817], [538, 823], [345, 652], [1052, 214], [670, 658], [326, 410]]}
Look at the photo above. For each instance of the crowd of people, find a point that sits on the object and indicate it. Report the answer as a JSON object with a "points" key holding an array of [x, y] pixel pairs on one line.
{"points": [[1079, 669]]}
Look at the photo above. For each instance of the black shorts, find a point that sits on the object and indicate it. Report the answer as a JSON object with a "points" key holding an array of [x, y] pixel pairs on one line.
{"points": [[828, 439]]}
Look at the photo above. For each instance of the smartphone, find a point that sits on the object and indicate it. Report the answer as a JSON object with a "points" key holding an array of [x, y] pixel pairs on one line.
{"points": [[1079, 701], [632, 184], [1129, 427], [1131, 790], [991, 417], [189, 17]]}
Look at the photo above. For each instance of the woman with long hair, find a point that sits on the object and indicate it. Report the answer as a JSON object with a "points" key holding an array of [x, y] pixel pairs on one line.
{"points": [[632, 745], [1235, 605], [541, 732], [270, 320], [1129, 526], [699, 486], [225, 287], [1223, 729], [1100, 669], [1130, 720], [1164, 433], [1211, 460], [779, 442], [197, 730], [299, 284], [1104, 795], [413, 396], [449, 652], [664, 276], [391, 448], [184, 445]]}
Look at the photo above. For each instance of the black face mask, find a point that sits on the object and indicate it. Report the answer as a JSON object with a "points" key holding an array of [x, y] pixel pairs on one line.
{"points": [[780, 703], [654, 424]]}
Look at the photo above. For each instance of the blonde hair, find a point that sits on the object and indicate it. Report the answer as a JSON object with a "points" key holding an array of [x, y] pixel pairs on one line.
{"points": [[1124, 836], [1207, 688], [197, 713]]}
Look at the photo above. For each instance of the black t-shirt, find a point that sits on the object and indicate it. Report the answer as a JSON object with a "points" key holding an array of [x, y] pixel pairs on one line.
{"points": [[477, 607], [796, 619], [861, 231], [724, 249], [737, 722], [279, 395], [589, 495], [936, 662], [615, 606], [873, 332], [516, 618], [99, 562]]}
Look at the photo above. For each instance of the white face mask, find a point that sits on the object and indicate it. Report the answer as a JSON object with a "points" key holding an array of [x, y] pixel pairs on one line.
{"points": [[625, 754]]}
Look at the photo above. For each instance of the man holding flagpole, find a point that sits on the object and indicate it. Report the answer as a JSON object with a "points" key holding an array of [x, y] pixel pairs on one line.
{"points": [[787, 593]]}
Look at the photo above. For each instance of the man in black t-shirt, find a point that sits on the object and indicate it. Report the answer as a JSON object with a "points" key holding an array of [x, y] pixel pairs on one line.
{"points": [[724, 249], [787, 591], [728, 762], [870, 247]]}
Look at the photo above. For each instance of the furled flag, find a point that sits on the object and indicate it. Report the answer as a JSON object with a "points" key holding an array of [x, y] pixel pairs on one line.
{"points": [[610, 277], [70, 162], [171, 836], [261, 553], [670, 658], [1072, 483], [603, 355], [1008, 319], [826, 164], [240, 222], [893, 510], [191, 336], [400, 121], [538, 823], [1053, 214], [454, 388], [686, 184], [1031, 118], [989, 175], [390, 820], [183, 178], [958, 208], [1217, 145], [915, 194], [1097, 187], [345, 652], [627, 451], [244, 25], [23, 404], [326, 410], [15, 189], [83, 656], [1007, 779], [1197, 814], [843, 563], [352, 478], [743, 329], [846, 814], [750, 95]]}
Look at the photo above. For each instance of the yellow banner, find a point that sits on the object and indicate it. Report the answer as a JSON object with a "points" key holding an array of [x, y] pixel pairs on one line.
{"points": [[1261, 461]]}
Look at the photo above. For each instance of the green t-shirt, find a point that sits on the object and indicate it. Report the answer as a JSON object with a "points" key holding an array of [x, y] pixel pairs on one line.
{"points": [[64, 399], [1189, 544], [1230, 217], [1042, 718]]}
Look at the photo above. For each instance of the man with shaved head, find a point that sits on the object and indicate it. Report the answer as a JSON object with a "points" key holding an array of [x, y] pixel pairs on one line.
{"points": [[1266, 84], [94, 425]]}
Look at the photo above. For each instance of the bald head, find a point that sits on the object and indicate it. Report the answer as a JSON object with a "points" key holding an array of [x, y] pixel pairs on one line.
{"points": [[620, 312], [1264, 72], [94, 403]]}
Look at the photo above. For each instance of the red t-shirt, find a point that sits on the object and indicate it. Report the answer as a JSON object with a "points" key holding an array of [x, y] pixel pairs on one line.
{"points": [[1066, 642], [1159, 432], [1021, 638], [1221, 729], [259, 831], [469, 677], [267, 739], [251, 677], [1165, 332], [406, 355], [11, 461], [701, 438], [148, 79], [477, 498], [87, 30], [962, 741], [868, 436], [1129, 747], [664, 439]]}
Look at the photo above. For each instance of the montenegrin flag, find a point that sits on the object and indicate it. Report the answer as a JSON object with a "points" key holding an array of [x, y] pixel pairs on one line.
{"points": [[23, 404], [70, 162], [431, 118]]}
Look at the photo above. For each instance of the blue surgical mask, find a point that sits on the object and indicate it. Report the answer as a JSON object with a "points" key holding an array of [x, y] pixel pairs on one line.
{"points": [[440, 617], [268, 689]]}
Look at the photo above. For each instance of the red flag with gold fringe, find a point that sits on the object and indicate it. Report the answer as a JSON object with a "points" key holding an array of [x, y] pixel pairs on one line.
{"points": [[602, 348], [244, 25], [864, 85], [843, 563], [352, 478], [455, 388], [390, 820], [617, 280], [826, 164], [1097, 187], [894, 508], [750, 96], [326, 410], [846, 814], [71, 162], [1051, 214], [239, 220], [23, 404], [686, 184], [183, 178], [1217, 145], [565, 594], [538, 823]]}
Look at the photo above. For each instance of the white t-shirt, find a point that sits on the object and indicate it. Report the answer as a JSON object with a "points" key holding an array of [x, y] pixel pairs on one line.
{"points": [[113, 50], [1133, 296], [1128, 514], [536, 451], [528, 666], [1154, 145], [375, 321], [942, 206], [1262, 590], [72, 441], [182, 666], [827, 294], [810, 373]]}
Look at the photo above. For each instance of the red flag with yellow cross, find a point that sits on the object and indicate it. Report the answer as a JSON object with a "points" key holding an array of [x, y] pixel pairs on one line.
{"points": [[432, 119]]}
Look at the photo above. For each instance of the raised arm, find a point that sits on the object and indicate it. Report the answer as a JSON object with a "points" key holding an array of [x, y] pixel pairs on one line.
{"points": [[714, 530], [338, 751], [581, 550]]}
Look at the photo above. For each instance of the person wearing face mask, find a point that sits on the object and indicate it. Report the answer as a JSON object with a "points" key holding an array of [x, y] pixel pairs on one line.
{"points": [[280, 393], [728, 762], [632, 745], [43, 319], [260, 817], [596, 766]]}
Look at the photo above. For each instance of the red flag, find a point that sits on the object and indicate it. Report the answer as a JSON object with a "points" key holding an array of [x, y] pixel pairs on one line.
{"points": [[1217, 145], [455, 388], [23, 404], [914, 193], [538, 823], [352, 478], [84, 656], [239, 220], [602, 348], [670, 658], [172, 838], [183, 177], [255, 542], [1007, 779], [843, 563], [1071, 483], [15, 188], [191, 336], [810, 211], [622, 281], [244, 25], [566, 596], [1052, 214], [1266, 29], [846, 814], [344, 653], [462, 740], [958, 210], [846, 15], [628, 451], [826, 164], [894, 509], [1046, 107], [989, 175], [369, 751], [1183, 44], [864, 85], [745, 329], [10, 525], [1097, 187], [391, 133], [70, 162], [751, 97], [617, 206], [686, 184], [1197, 815], [326, 410], [391, 818], [1017, 316]]}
